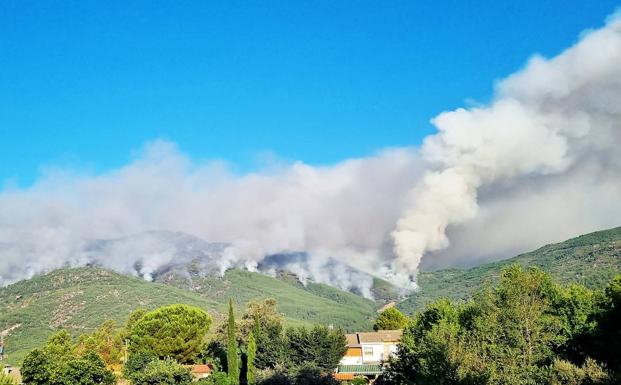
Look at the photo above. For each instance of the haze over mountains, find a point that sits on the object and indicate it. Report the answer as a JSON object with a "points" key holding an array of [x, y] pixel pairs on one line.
{"points": [[539, 163], [80, 299]]}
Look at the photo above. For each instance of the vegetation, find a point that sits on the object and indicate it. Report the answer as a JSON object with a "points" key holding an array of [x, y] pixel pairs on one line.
{"points": [[81, 300], [591, 260], [318, 347], [251, 355], [175, 331], [231, 348], [162, 340], [526, 330], [60, 362], [390, 319], [5, 379], [166, 372]]}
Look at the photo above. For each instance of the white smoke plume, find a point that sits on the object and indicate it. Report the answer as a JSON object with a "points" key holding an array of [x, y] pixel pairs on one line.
{"points": [[540, 163], [551, 118]]}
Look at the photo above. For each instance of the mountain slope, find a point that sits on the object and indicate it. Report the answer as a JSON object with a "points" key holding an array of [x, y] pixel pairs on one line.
{"points": [[81, 299], [591, 259]]}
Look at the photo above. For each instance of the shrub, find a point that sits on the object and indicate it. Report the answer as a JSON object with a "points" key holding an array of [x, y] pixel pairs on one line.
{"points": [[166, 372]]}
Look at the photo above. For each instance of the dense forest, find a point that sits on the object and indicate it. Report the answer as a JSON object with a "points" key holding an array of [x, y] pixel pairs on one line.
{"points": [[525, 330]]}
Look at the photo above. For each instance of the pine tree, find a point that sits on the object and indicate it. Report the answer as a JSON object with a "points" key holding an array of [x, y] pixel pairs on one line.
{"points": [[250, 356], [232, 359]]}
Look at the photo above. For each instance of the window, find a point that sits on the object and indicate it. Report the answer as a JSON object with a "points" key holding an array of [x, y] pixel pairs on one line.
{"points": [[368, 351]]}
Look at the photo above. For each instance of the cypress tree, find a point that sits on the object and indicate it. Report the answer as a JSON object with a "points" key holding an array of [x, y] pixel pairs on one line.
{"points": [[252, 352], [232, 359]]}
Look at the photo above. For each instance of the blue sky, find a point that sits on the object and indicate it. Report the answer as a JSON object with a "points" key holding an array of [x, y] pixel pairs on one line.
{"points": [[83, 83]]}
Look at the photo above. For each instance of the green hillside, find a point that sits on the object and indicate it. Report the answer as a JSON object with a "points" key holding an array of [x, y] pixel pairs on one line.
{"points": [[313, 303], [81, 299], [591, 259]]}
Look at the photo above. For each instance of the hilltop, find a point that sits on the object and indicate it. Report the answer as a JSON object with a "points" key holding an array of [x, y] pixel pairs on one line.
{"points": [[590, 259]]}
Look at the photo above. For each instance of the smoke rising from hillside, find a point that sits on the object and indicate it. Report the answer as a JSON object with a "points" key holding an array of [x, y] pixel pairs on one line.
{"points": [[540, 163], [550, 118]]}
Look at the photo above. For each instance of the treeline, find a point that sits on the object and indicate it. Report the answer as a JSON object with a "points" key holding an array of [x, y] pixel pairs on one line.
{"points": [[158, 348], [526, 330]]}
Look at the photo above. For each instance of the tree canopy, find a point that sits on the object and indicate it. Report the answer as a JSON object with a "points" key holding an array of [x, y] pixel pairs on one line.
{"points": [[175, 331], [59, 362], [390, 319], [526, 330]]}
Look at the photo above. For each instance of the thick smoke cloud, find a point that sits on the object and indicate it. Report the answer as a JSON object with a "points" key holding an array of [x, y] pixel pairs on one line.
{"points": [[555, 117], [540, 163], [344, 211]]}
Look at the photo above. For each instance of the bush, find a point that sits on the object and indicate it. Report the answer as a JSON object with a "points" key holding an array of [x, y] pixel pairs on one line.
{"points": [[217, 378], [136, 363], [165, 372]]}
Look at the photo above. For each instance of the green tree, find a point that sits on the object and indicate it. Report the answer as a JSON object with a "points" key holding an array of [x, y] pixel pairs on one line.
{"points": [[250, 356], [232, 357], [60, 346], [175, 331], [565, 373], [217, 378], [390, 319], [263, 318], [163, 372], [318, 347], [506, 335], [606, 337], [87, 370], [136, 363], [35, 369], [60, 363], [106, 341]]}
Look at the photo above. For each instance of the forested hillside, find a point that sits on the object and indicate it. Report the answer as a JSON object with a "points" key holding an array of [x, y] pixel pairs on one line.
{"points": [[591, 260], [81, 299]]}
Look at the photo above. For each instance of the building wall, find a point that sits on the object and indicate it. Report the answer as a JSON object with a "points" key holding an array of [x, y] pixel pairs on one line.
{"points": [[353, 356], [372, 353]]}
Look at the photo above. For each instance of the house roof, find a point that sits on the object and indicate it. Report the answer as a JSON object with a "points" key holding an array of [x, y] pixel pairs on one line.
{"points": [[355, 339], [344, 376], [200, 369], [360, 369]]}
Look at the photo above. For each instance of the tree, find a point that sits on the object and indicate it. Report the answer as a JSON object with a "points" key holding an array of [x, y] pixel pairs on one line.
{"points": [[60, 363], [87, 370], [60, 346], [250, 356], [231, 347], [606, 337], [163, 372], [106, 341], [506, 335], [313, 376], [136, 363], [217, 378], [35, 369], [266, 322], [318, 347], [390, 319], [175, 331]]}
